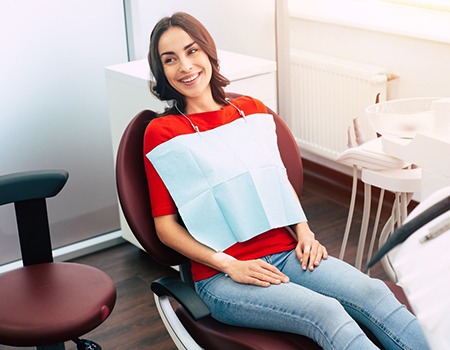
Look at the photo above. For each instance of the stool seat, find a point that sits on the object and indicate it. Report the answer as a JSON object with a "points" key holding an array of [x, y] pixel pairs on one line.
{"points": [[33, 298]]}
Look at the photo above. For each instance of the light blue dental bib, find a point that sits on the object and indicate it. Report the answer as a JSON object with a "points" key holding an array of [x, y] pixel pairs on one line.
{"points": [[229, 183]]}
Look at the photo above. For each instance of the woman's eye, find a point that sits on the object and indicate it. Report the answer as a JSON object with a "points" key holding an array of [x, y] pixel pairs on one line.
{"points": [[192, 51], [169, 60]]}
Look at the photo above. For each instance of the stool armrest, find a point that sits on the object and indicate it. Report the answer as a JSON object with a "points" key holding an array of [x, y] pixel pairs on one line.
{"points": [[29, 185]]}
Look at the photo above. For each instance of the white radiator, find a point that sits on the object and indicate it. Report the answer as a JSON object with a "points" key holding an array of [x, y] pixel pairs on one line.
{"points": [[327, 94]]}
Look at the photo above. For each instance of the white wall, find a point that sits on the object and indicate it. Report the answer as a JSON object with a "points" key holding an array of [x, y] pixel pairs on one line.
{"points": [[422, 62], [423, 65], [246, 27], [53, 110]]}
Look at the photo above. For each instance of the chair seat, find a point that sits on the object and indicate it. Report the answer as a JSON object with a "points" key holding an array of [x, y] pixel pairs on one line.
{"points": [[211, 334], [51, 303]]}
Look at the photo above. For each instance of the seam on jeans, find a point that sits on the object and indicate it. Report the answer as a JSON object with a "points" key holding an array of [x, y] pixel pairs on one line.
{"points": [[376, 322]]}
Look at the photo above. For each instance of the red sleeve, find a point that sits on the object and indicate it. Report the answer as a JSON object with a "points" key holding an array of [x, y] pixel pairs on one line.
{"points": [[161, 201]]}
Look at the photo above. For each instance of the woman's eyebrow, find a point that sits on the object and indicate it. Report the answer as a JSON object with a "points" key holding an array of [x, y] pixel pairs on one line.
{"points": [[172, 53]]}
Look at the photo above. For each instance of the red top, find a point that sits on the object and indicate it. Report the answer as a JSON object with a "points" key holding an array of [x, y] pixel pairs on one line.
{"points": [[163, 129]]}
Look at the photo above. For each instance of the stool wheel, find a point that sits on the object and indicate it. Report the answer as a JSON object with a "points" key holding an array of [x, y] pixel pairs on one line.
{"points": [[84, 344]]}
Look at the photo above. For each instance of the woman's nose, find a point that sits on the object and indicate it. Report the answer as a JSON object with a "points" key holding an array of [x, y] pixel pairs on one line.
{"points": [[185, 65]]}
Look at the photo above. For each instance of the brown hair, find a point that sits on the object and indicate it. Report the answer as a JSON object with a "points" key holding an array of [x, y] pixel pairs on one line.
{"points": [[160, 87]]}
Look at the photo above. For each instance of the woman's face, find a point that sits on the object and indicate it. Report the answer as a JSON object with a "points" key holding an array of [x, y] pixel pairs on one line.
{"points": [[186, 66]]}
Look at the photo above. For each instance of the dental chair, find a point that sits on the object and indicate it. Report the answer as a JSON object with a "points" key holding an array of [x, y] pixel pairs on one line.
{"points": [[45, 303], [186, 317]]}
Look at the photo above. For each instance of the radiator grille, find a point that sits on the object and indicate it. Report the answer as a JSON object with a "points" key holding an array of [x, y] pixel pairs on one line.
{"points": [[327, 94]]}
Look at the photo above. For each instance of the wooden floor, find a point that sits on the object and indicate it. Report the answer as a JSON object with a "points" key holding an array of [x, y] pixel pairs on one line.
{"points": [[135, 323]]}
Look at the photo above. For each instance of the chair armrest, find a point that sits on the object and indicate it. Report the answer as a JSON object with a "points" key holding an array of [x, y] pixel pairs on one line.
{"points": [[181, 292]]}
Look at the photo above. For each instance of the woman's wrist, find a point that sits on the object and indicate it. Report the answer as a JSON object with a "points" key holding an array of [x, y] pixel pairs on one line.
{"points": [[303, 228], [222, 261]]}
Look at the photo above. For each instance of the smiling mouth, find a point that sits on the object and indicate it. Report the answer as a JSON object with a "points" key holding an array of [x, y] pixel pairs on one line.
{"points": [[190, 79]]}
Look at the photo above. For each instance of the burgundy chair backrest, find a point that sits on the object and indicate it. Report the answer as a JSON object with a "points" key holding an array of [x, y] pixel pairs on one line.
{"points": [[133, 190]]}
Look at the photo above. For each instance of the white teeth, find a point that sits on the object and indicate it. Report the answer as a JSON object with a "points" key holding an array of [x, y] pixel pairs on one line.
{"points": [[188, 80]]}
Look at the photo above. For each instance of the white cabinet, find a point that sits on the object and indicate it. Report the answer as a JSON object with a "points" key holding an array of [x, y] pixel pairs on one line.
{"points": [[128, 93]]}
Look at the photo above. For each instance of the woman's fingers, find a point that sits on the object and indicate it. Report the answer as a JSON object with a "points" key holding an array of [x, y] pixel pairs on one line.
{"points": [[310, 256], [266, 272], [257, 272]]}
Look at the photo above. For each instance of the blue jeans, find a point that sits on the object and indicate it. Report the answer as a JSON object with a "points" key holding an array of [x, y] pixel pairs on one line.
{"points": [[322, 305]]}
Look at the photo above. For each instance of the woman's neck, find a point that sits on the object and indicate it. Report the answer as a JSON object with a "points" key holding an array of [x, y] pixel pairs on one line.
{"points": [[194, 106]]}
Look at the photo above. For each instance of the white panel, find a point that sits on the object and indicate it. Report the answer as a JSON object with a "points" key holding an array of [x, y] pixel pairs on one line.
{"points": [[53, 112], [246, 27]]}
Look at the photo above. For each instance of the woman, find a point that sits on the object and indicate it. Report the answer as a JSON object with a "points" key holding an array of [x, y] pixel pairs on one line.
{"points": [[268, 279]]}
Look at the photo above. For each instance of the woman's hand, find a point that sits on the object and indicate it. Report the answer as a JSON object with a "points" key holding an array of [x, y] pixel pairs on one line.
{"points": [[309, 250], [257, 272]]}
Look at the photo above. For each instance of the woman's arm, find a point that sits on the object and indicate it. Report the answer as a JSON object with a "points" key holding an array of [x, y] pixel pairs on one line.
{"points": [[309, 250], [257, 272]]}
